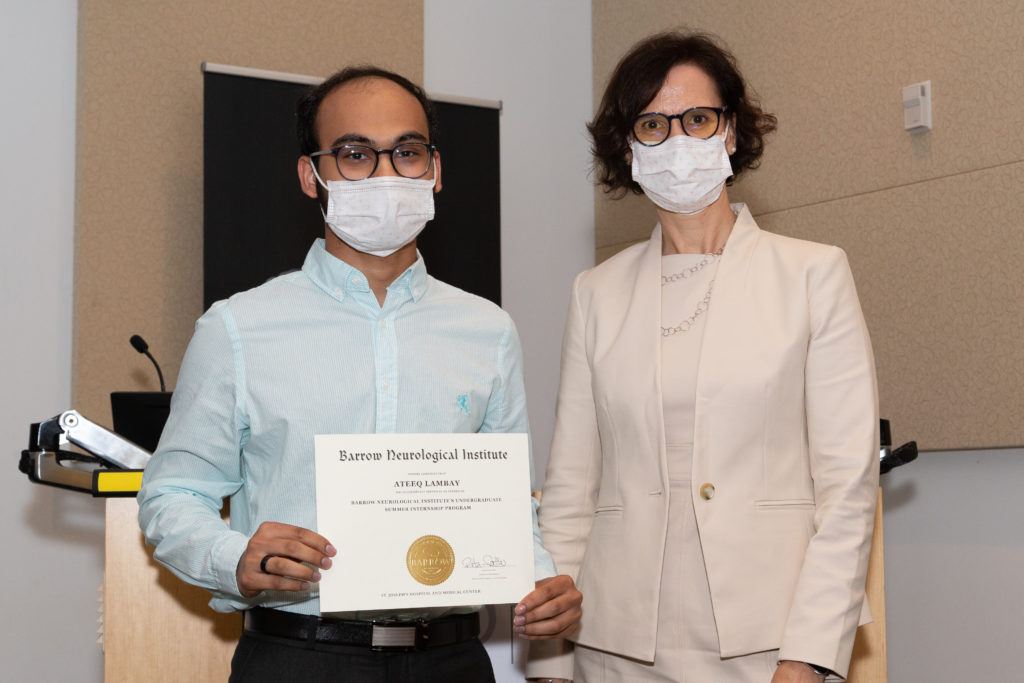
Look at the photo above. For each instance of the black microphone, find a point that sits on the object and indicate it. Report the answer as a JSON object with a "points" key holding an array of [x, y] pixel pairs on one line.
{"points": [[140, 345]]}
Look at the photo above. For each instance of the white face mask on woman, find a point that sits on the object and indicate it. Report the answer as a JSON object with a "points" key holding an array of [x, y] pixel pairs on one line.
{"points": [[683, 174], [378, 216]]}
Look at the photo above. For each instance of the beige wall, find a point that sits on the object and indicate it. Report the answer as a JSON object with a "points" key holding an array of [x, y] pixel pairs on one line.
{"points": [[138, 252], [932, 222]]}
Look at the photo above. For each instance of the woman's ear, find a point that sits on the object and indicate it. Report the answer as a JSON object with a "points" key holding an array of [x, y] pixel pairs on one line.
{"points": [[730, 139]]}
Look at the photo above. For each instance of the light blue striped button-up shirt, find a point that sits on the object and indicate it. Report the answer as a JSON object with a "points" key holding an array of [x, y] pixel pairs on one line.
{"points": [[312, 352]]}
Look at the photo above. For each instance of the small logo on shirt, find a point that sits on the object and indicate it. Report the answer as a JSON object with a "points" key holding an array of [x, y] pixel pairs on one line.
{"points": [[463, 402]]}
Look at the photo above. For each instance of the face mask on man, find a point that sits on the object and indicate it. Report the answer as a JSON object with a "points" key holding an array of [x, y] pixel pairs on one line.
{"points": [[378, 216], [683, 174]]}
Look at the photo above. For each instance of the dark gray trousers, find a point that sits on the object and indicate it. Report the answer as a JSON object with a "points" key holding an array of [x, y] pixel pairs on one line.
{"points": [[266, 659]]}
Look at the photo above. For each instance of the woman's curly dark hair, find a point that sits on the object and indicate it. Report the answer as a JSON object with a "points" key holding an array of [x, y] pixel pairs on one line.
{"points": [[639, 77]]}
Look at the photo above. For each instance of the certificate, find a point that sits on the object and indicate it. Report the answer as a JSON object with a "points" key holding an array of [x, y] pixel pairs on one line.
{"points": [[424, 520]]}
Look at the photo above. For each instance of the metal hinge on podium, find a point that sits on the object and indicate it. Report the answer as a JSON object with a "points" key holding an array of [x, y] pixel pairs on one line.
{"points": [[890, 457], [70, 451]]}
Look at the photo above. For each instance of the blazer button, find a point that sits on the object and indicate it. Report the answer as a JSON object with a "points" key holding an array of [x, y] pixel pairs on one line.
{"points": [[707, 491]]}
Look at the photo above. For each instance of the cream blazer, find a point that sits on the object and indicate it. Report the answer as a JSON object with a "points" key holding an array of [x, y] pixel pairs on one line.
{"points": [[786, 434]]}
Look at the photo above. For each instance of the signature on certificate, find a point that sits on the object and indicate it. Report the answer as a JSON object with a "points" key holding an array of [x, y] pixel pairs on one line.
{"points": [[486, 561]]}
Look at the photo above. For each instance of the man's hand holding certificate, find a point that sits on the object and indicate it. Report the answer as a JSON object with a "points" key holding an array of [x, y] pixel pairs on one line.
{"points": [[424, 520]]}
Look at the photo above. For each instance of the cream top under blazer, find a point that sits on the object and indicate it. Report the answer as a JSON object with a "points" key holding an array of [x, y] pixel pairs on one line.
{"points": [[786, 431]]}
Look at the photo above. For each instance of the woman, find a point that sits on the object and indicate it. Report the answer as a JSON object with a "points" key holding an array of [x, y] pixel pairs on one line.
{"points": [[713, 476]]}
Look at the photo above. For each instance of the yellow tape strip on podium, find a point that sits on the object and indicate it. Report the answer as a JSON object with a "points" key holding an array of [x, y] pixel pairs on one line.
{"points": [[125, 483]]}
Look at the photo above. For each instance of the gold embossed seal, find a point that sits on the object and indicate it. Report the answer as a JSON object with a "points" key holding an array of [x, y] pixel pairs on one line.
{"points": [[430, 560]]}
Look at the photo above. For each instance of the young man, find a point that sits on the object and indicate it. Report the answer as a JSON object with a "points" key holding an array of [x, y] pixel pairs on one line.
{"points": [[361, 340]]}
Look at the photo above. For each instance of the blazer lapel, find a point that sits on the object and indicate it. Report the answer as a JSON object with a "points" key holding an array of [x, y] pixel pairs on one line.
{"points": [[641, 336], [724, 318]]}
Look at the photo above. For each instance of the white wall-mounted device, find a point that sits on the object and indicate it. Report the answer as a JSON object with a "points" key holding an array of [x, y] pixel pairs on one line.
{"points": [[917, 107]]}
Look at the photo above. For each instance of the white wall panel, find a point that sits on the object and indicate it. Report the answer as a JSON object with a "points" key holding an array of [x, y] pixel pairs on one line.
{"points": [[53, 540], [534, 56]]}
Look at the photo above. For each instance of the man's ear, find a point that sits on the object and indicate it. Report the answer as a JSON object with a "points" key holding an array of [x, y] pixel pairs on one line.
{"points": [[307, 179], [437, 171]]}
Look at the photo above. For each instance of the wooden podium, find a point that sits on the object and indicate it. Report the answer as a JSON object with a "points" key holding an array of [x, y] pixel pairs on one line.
{"points": [[869, 655], [156, 627], [159, 629]]}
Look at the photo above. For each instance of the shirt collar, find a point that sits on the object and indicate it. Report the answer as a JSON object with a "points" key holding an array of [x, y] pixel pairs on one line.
{"points": [[338, 278]]}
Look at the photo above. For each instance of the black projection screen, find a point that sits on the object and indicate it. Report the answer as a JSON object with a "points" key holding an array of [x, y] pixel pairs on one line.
{"points": [[257, 223]]}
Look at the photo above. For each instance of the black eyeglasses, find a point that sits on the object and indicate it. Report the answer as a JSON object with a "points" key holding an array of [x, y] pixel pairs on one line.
{"points": [[698, 122], [359, 162]]}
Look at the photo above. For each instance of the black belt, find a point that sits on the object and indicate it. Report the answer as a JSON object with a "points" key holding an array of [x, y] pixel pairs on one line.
{"points": [[378, 635]]}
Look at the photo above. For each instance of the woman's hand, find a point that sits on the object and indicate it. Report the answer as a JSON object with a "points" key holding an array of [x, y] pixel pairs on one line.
{"points": [[552, 610], [796, 672]]}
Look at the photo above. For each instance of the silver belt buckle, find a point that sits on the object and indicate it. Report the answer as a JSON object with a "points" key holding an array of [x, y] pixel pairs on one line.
{"points": [[385, 636]]}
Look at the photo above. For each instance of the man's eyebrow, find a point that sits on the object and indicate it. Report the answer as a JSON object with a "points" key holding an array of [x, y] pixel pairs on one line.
{"points": [[411, 136], [349, 138], [354, 138]]}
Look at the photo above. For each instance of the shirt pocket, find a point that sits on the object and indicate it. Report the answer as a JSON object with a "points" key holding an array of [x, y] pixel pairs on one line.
{"points": [[456, 405]]}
